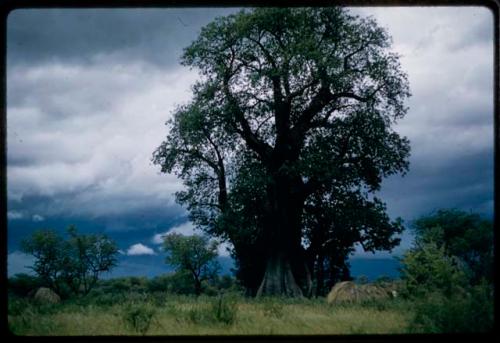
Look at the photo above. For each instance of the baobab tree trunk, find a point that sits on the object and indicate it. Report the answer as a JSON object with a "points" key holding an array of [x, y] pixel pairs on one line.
{"points": [[279, 279], [285, 255]]}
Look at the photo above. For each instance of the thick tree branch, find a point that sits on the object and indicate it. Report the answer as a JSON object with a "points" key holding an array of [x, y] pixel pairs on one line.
{"points": [[260, 147], [197, 154], [220, 172]]}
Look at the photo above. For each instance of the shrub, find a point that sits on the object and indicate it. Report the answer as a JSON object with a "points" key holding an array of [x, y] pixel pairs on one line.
{"points": [[139, 316], [159, 283], [17, 305], [158, 298], [22, 284], [472, 312], [427, 268], [104, 298], [465, 235]]}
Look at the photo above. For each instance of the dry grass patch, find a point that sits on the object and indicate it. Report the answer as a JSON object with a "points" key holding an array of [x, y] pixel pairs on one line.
{"points": [[179, 316]]}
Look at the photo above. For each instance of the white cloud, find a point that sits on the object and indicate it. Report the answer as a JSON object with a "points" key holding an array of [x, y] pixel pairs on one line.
{"points": [[448, 55], [90, 131], [140, 249], [185, 229], [19, 262], [224, 249], [37, 218], [158, 238], [83, 133], [188, 229], [13, 215]]}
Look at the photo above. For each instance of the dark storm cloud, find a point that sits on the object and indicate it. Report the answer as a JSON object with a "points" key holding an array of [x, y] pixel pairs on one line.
{"points": [[88, 92], [37, 36], [133, 223], [463, 181]]}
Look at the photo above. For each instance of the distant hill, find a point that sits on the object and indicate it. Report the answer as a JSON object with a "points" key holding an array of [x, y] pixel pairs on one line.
{"points": [[153, 265], [374, 268]]}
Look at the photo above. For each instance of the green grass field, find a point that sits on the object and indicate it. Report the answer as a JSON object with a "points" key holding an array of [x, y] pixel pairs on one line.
{"points": [[183, 315]]}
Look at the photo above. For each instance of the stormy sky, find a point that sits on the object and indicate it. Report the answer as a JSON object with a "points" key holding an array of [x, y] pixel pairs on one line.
{"points": [[89, 91]]}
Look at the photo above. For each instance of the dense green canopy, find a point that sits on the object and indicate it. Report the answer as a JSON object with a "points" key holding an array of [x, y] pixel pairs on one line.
{"points": [[286, 138]]}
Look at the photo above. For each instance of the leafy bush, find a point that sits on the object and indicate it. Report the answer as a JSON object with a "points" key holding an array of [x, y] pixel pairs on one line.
{"points": [[464, 235], [104, 298], [157, 298], [46, 308], [139, 316], [427, 268], [124, 284], [17, 305], [448, 274], [472, 312], [159, 283], [22, 284], [73, 265]]}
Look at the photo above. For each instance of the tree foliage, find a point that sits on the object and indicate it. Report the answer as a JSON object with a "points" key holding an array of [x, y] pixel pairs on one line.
{"points": [[428, 268], [47, 248], [192, 255], [464, 235], [288, 134], [23, 284], [453, 249], [73, 263], [449, 272]]}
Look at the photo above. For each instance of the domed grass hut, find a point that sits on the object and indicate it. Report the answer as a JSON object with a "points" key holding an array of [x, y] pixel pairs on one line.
{"points": [[46, 295], [349, 292]]}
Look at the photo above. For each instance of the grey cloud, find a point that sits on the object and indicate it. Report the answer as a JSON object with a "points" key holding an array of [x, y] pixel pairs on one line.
{"points": [[140, 249], [448, 54], [18, 262], [13, 215], [37, 218], [481, 32], [88, 92], [95, 154], [463, 181], [63, 91], [88, 35]]}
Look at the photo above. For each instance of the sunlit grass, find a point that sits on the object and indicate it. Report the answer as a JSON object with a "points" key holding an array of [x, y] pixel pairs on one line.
{"points": [[190, 316]]}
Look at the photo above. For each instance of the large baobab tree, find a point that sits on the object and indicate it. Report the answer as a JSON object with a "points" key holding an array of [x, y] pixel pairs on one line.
{"points": [[290, 120]]}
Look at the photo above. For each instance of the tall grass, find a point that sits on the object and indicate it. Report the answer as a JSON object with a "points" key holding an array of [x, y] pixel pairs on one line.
{"points": [[221, 315], [139, 316]]}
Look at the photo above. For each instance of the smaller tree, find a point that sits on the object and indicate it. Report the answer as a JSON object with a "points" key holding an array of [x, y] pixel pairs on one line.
{"points": [[464, 235], [88, 256], [449, 271], [46, 246], [73, 264], [194, 255], [427, 268]]}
